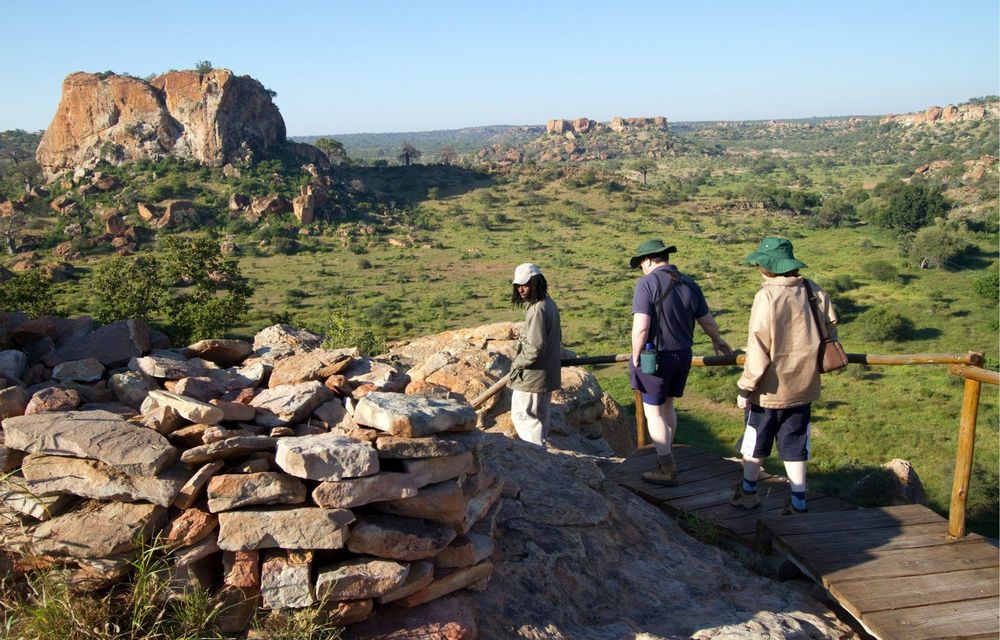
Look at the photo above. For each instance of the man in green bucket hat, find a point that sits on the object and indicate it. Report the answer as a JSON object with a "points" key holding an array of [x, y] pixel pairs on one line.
{"points": [[781, 371], [665, 307]]}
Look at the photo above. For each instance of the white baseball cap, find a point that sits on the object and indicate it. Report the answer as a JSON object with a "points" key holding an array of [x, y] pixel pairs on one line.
{"points": [[524, 272]]}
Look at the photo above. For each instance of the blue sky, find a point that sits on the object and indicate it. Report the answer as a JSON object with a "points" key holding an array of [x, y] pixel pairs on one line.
{"points": [[345, 67]]}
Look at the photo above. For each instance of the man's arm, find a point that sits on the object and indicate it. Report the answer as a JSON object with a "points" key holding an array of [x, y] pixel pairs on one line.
{"points": [[711, 329], [532, 337], [640, 328]]}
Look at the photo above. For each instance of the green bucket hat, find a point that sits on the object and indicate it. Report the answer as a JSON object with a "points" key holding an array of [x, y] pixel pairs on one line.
{"points": [[650, 247], [775, 255]]}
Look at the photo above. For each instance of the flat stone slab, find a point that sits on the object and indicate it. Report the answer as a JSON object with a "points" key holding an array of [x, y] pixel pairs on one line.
{"points": [[289, 404], [199, 550], [360, 578], [287, 528], [86, 370], [413, 416], [448, 503], [228, 449], [131, 387], [48, 475], [286, 580], [113, 344], [15, 494], [319, 364], [192, 489], [448, 583], [355, 492], [326, 457], [97, 530], [188, 408], [465, 551], [397, 538], [394, 448], [434, 470], [188, 527], [421, 575], [234, 490], [99, 435], [224, 353], [167, 367]]}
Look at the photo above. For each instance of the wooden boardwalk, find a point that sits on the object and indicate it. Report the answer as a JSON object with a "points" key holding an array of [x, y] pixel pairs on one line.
{"points": [[894, 569]]}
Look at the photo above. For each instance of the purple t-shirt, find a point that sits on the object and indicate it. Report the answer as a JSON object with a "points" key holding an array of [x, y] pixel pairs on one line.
{"points": [[676, 314]]}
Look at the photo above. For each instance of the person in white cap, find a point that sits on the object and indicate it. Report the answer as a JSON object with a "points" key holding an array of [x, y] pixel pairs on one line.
{"points": [[536, 369]]}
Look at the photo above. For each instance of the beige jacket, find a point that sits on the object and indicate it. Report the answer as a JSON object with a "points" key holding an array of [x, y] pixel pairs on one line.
{"points": [[781, 368]]}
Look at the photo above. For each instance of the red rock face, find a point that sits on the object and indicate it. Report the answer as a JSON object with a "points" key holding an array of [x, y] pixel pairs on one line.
{"points": [[213, 118]]}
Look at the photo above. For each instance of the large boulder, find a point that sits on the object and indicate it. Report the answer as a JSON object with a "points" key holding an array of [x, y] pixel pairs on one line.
{"points": [[213, 118]]}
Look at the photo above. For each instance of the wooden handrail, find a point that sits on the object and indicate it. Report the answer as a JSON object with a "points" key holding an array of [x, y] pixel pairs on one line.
{"points": [[965, 450], [854, 358]]}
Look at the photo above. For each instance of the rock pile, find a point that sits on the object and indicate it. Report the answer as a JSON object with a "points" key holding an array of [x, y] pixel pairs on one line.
{"points": [[279, 473]]}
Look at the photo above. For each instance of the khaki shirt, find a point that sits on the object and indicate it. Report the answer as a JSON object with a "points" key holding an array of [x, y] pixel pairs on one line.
{"points": [[781, 368], [537, 366]]}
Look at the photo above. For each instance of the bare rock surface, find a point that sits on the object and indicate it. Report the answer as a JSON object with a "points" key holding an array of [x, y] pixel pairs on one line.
{"points": [[228, 449], [86, 370], [360, 578], [391, 447], [288, 528], [413, 416], [188, 408], [286, 580], [449, 618], [398, 538], [613, 565], [113, 344], [313, 365], [224, 353], [99, 435], [46, 475], [326, 457]]}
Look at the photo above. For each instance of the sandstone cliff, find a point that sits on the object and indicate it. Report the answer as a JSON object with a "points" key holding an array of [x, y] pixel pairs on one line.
{"points": [[213, 118], [951, 113]]}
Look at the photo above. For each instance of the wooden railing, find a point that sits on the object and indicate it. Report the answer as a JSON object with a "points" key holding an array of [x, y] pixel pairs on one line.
{"points": [[969, 366]]}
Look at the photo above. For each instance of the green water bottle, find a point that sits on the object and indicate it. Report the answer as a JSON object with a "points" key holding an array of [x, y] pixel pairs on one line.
{"points": [[647, 359]]}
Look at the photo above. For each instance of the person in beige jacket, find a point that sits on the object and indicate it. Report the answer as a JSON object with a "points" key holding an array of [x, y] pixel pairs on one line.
{"points": [[781, 372], [536, 369]]}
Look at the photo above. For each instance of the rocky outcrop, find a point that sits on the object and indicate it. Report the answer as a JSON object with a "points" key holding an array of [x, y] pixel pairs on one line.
{"points": [[214, 118], [951, 113]]}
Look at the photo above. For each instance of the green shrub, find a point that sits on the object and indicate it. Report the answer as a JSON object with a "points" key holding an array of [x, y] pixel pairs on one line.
{"points": [[912, 206], [883, 325], [988, 285], [880, 270], [127, 288], [938, 244], [30, 292]]}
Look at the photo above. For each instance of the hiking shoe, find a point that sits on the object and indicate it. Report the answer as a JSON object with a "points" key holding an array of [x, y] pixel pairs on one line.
{"points": [[742, 499], [789, 510], [665, 472]]}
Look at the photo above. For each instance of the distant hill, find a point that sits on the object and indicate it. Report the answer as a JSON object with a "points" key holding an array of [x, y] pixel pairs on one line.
{"points": [[385, 146]]}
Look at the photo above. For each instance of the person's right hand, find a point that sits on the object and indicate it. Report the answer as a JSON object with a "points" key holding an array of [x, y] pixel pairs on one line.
{"points": [[742, 402]]}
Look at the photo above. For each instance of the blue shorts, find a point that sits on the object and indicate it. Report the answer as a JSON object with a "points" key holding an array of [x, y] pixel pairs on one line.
{"points": [[790, 427], [672, 368]]}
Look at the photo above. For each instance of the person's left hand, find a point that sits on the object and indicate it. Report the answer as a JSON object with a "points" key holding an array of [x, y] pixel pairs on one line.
{"points": [[742, 402]]}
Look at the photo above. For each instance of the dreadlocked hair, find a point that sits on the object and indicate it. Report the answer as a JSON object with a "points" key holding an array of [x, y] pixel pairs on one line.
{"points": [[538, 290]]}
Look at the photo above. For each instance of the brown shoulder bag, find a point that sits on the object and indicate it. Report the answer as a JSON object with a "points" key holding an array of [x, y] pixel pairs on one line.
{"points": [[831, 353]]}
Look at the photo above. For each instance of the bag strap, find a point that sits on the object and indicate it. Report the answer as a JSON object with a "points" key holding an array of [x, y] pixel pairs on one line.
{"points": [[659, 300], [813, 303]]}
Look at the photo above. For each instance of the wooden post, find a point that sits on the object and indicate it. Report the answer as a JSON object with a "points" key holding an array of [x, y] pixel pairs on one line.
{"points": [[640, 421], [963, 458]]}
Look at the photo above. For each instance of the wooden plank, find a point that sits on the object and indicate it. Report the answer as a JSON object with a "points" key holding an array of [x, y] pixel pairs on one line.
{"points": [[745, 523], [820, 545], [857, 520], [965, 620], [906, 562], [880, 594], [717, 491]]}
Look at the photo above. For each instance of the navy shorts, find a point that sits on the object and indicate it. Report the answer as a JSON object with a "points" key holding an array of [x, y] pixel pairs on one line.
{"points": [[789, 427], [671, 376]]}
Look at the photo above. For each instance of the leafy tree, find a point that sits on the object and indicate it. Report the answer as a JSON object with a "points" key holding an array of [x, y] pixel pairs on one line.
{"points": [[30, 292], [192, 288], [642, 167], [408, 153], [333, 149], [447, 154], [128, 288], [10, 229], [203, 66], [913, 206], [938, 244]]}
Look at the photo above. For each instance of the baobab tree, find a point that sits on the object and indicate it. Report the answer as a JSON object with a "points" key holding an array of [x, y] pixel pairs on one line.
{"points": [[447, 154], [408, 153], [642, 167]]}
